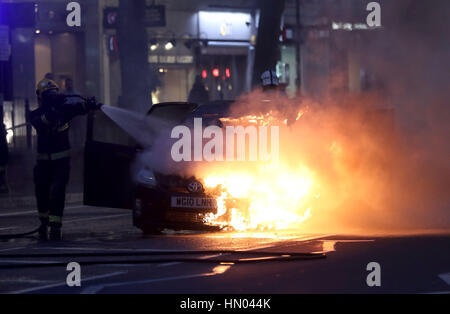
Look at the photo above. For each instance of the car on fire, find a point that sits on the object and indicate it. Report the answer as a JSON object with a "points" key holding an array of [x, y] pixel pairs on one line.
{"points": [[157, 200]]}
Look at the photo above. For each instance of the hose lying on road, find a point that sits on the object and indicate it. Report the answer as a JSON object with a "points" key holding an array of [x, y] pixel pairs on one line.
{"points": [[18, 235], [263, 257]]}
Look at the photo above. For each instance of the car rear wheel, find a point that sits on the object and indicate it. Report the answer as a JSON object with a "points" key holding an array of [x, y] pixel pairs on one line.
{"points": [[151, 230]]}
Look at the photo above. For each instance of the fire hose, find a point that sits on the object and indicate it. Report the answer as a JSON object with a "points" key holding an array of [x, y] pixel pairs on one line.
{"points": [[18, 235], [262, 257]]}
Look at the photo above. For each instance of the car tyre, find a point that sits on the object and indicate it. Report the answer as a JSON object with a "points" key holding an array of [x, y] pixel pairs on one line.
{"points": [[151, 230]]}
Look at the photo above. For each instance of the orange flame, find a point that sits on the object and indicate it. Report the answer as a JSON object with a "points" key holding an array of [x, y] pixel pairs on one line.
{"points": [[268, 197], [266, 200]]}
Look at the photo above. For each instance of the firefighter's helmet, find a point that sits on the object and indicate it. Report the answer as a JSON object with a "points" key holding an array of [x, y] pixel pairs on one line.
{"points": [[269, 78], [44, 86]]}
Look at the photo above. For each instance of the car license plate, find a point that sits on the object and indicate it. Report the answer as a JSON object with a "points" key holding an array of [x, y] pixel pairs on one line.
{"points": [[193, 202]]}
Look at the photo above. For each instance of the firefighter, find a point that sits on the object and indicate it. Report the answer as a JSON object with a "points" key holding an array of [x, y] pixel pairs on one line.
{"points": [[274, 93], [271, 87], [269, 81], [51, 173]]}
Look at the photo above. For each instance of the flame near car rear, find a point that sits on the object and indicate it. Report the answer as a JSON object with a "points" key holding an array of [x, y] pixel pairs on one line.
{"points": [[269, 199], [265, 196]]}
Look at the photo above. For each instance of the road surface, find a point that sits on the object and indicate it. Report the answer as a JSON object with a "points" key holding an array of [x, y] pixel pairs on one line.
{"points": [[409, 264]]}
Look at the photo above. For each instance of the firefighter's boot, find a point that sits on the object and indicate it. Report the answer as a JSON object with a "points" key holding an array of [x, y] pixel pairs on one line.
{"points": [[55, 233], [43, 232]]}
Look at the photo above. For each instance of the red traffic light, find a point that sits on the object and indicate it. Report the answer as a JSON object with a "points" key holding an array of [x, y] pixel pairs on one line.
{"points": [[215, 72]]}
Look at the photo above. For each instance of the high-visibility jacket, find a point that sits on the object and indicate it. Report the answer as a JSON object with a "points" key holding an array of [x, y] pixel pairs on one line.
{"points": [[51, 121]]}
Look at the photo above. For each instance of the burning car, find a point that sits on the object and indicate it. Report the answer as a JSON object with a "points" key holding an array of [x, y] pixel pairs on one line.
{"points": [[158, 200], [238, 196]]}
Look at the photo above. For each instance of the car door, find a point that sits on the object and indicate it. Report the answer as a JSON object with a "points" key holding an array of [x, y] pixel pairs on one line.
{"points": [[110, 152], [108, 156]]}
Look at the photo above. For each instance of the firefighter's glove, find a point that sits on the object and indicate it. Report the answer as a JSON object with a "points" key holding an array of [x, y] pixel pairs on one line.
{"points": [[92, 104]]}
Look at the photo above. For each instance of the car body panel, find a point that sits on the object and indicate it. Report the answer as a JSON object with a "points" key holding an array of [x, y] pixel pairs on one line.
{"points": [[107, 175], [108, 182]]}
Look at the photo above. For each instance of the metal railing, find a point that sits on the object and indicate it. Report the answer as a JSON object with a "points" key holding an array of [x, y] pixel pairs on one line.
{"points": [[19, 130], [20, 133]]}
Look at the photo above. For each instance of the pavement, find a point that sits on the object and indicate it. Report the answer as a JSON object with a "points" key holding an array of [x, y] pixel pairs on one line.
{"points": [[413, 263], [10, 202]]}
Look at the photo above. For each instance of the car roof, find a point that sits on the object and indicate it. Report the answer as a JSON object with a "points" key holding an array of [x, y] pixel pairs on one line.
{"points": [[218, 108], [212, 109], [167, 104]]}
